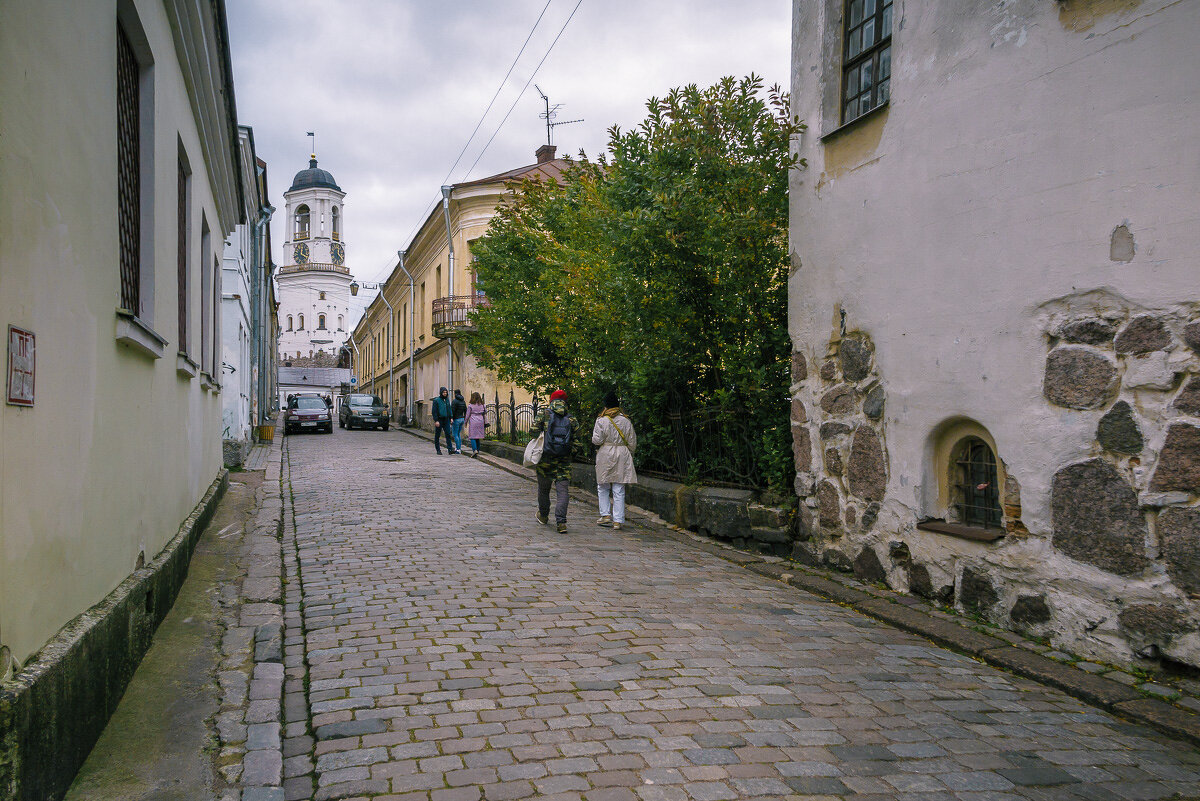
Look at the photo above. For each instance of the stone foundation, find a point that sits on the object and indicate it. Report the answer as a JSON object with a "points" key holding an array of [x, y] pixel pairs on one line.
{"points": [[54, 709], [1110, 568]]}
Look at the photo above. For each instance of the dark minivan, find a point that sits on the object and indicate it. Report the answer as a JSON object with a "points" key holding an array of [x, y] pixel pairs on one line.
{"points": [[307, 412], [362, 411]]}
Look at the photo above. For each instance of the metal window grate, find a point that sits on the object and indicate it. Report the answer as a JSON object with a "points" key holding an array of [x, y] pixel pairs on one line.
{"points": [[977, 491], [183, 271], [867, 61], [129, 179]]}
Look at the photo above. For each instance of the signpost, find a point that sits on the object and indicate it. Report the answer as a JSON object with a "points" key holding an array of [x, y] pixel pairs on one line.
{"points": [[21, 363]]}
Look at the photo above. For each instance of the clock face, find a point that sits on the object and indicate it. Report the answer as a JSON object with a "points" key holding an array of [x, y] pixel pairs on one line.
{"points": [[301, 254], [338, 252]]}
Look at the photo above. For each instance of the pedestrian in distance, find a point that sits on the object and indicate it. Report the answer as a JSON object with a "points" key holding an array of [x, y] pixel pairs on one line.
{"points": [[555, 465], [615, 442], [476, 422], [458, 413], [441, 421]]}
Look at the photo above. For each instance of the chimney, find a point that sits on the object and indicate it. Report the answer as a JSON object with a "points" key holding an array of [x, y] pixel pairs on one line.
{"points": [[545, 153]]}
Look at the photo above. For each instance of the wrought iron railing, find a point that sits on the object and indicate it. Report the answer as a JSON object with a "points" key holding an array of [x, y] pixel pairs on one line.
{"points": [[452, 314], [509, 421]]}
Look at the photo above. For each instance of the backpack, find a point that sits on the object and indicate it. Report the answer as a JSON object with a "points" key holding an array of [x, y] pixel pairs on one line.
{"points": [[558, 435]]}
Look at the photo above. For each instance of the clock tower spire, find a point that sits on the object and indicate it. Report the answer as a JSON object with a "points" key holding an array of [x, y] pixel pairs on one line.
{"points": [[314, 282]]}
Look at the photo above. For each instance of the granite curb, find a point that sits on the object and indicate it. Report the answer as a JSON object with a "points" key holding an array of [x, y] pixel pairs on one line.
{"points": [[250, 722], [1006, 650]]}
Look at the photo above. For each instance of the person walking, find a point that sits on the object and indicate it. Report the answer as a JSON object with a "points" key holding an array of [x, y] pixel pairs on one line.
{"points": [[458, 412], [441, 421], [476, 422], [555, 465], [615, 442]]}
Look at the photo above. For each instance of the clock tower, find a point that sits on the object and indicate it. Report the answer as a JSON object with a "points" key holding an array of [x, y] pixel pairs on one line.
{"points": [[314, 282]]}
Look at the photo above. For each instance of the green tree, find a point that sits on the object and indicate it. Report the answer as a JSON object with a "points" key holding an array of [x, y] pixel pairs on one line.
{"points": [[660, 270]]}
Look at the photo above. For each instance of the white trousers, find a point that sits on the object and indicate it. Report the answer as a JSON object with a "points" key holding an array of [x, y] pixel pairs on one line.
{"points": [[612, 501]]}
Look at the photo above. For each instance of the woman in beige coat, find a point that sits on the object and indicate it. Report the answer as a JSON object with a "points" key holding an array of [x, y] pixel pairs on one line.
{"points": [[616, 442]]}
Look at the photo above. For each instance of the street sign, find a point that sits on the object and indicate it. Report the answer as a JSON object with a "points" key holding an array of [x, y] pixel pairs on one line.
{"points": [[353, 380], [20, 366]]}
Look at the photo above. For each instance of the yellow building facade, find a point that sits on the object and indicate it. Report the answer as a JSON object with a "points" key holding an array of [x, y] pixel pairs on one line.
{"points": [[427, 318]]}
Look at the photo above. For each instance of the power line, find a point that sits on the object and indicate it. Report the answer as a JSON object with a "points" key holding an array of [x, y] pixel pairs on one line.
{"points": [[471, 138], [499, 89], [526, 86]]}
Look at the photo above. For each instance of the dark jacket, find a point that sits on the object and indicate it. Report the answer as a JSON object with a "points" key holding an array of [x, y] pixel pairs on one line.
{"points": [[458, 408], [557, 467], [441, 407]]}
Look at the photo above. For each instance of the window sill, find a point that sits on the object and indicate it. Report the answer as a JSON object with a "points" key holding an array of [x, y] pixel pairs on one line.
{"points": [[856, 121], [139, 336], [962, 532], [185, 367], [209, 383]]}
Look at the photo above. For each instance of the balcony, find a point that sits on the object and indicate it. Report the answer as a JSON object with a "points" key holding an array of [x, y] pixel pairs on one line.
{"points": [[452, 315], [314, 267]]}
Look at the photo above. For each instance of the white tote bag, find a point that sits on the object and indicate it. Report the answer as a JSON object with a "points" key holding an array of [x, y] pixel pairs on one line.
{"points": [[533, 451]]}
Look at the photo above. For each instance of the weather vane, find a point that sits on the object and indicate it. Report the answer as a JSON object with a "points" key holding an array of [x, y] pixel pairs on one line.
{"points": [[550, 113], [313, 136]]}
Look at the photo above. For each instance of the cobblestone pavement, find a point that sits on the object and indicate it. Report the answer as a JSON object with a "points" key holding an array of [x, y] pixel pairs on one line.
{"points": [[456, 649]]}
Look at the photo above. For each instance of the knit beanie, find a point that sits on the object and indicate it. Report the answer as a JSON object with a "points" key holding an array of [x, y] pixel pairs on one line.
{"points": [[558, 394]]}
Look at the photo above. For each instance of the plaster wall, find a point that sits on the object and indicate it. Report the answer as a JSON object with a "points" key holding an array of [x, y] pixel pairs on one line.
{"points": [[236, 368], [300, 293], [963, 224], [119, 447]]}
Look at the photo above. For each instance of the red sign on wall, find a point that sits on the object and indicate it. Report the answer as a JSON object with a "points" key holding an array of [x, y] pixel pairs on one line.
{"points": [[21, 363]]}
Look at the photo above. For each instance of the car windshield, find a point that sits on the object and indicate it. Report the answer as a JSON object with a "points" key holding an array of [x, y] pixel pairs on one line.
{"points": [[365, 400], [309, 403]]}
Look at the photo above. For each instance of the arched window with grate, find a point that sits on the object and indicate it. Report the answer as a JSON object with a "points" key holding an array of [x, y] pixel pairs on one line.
{"points": [[975, 493], [337, 224], [301, 328], [290, 322], [321, 322]]}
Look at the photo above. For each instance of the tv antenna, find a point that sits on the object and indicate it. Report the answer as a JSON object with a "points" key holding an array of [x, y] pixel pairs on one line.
{"points": [[550, 113]]}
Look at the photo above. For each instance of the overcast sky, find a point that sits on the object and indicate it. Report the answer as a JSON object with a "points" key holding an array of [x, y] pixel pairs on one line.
{"points": [[393, 89]]}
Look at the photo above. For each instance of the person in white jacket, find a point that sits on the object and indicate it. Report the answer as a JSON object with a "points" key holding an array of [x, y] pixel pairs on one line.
{"points": [[616, 441]]}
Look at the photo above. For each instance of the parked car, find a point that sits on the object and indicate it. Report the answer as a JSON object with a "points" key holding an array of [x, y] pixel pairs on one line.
{"points": [[307, 413], [363, 411]]}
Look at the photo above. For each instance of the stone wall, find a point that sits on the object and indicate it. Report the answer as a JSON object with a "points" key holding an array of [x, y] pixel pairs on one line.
{"points": [[1116, 572]]}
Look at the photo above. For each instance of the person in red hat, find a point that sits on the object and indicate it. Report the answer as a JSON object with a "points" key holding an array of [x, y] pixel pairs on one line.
{"points": [[555, 465]]}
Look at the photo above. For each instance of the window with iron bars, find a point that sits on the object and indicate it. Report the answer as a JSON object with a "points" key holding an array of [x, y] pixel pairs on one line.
{"points": [[129, 178], [976, 486], [184, 273], [867, 57]]}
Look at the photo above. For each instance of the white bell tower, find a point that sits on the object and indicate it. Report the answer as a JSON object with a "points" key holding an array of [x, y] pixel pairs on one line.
{"points": [[314, 282]]}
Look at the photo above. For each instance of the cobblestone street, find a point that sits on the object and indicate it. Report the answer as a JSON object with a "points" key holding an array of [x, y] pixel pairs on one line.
{"points": [[456, 649]]}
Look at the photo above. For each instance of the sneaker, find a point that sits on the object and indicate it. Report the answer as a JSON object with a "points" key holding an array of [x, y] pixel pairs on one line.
{"points": [[617, 526], [543, 519], [562, 528], [605, 521]]}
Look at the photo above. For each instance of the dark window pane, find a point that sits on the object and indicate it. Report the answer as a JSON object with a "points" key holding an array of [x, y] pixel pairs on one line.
{"points": [[129, 180], [854, 47], [851, 110], [869, 8], [852, 83], [884, 92], [868, 33], [865, 83], [856, 12], [886, 23], [885, 63]]}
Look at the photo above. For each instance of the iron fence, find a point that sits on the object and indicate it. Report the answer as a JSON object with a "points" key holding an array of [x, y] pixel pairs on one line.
{"points": [[509, 421]]}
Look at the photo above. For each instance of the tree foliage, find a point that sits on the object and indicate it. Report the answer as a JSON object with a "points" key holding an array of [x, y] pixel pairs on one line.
{"points": [[660, 271]]}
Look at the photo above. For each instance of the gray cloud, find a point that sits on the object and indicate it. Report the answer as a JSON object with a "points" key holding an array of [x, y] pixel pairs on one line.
{"points": [[394, 88]]}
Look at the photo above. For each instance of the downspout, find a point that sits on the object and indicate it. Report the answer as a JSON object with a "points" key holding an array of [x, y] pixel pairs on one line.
{"points": [[412, 335], [446, 190], [392, 336], [354, 366], [260, 305]]}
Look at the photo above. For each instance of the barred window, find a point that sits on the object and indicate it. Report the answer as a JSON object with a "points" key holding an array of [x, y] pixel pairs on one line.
{"points": [[321, 322], [184, 273], [867, 60], [289, 322], [976, 491], [129, 172]]}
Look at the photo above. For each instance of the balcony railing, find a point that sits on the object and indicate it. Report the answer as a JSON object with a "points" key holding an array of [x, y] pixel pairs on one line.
{"points": [[452, 315], [299, 236], [315, 266]]}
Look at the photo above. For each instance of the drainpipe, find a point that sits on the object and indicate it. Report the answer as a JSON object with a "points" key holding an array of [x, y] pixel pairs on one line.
{"points": [[446, 190], [412, 335], [354, 366], [392, 336], [258, 309]]}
